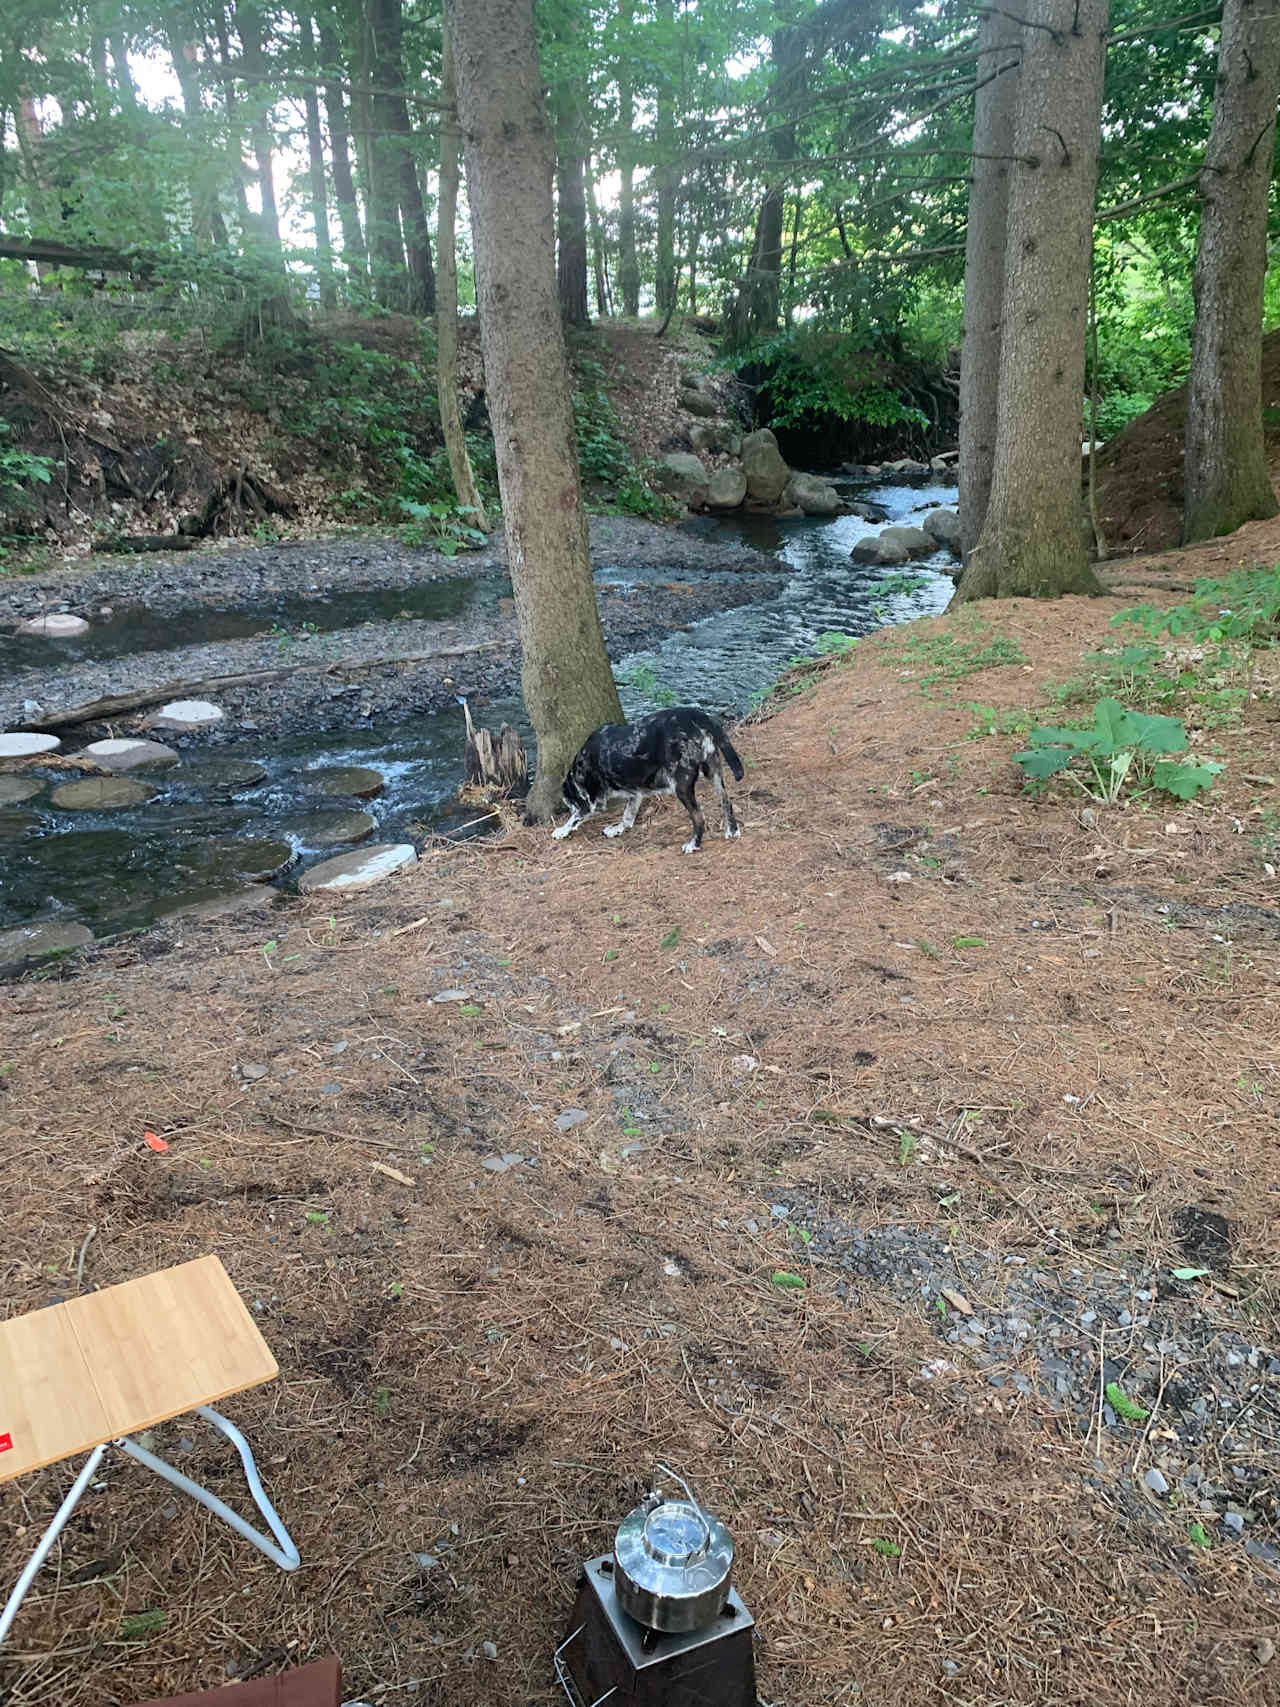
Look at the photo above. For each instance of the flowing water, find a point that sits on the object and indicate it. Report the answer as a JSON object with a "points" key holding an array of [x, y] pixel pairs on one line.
{"points": [[257, 808]]}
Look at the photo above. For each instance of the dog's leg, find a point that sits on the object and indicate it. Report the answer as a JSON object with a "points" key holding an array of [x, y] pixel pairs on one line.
{"points": [[731, 828], [628, 817], [567, 829], [684, 784]]}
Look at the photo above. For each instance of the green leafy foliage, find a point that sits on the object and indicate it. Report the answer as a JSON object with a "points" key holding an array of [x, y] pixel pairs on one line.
{"points": [[1244, 606], [784, 1279], [443, 526], [838, 379], [1108, 752], [19, 471]]}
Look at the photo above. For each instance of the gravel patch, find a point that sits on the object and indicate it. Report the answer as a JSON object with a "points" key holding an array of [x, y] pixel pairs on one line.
{"points": [[1093, 1343]]}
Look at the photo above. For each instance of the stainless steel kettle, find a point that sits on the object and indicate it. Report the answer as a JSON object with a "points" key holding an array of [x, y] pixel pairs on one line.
{"points": [[672, 1563]]}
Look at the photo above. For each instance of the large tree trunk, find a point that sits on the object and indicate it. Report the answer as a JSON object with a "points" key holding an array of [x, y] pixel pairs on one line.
{"points": [[344, 184], [993, 116], [417, 232], [1032, 543], [754, 311], [382, 157], [395, 172], [1226, 466], [249, 29], [207, 225], [628, 263], [571, 199], [568, 685], [455, 442], [315, 157], [599, 256], [666, 176], [230, 107]]}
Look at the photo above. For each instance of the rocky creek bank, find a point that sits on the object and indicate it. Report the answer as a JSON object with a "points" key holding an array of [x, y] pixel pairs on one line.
{"points": [[326, 647]]}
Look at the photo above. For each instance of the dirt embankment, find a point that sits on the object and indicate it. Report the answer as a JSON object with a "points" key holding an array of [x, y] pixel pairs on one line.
{"points": [[861, 1168], [1140, 478]]}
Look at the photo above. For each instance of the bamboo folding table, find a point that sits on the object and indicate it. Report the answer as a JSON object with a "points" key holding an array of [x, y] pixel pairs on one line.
{"points": [[86, 1374]]}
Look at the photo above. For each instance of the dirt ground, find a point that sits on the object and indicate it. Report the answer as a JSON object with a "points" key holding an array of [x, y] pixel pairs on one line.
{"points": [[509, 1154]]}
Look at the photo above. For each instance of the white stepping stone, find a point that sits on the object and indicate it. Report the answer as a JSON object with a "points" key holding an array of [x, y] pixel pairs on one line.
{"points": [[357, 870], [57, 625], [20, 745], [186, 714], [126, 755], [29, 942]]}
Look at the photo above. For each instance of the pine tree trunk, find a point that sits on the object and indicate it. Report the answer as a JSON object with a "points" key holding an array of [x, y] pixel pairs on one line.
{"points": [[249, 29], [599, 260], [315, 155], [230, 107], [993, 114], [628, 262], [1032, 540], [571, 198], [417, 234], [754, 312], [455, 442], [1227, 482], [568, 685], [382, 160], [667, 177], [344, 184], [207, 226]]}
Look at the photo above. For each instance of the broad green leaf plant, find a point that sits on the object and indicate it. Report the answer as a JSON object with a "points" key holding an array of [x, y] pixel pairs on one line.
{"points": [[1122, 746]]}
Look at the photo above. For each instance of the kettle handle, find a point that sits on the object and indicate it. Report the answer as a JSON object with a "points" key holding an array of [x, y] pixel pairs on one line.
{"points": [[666, 1470]]}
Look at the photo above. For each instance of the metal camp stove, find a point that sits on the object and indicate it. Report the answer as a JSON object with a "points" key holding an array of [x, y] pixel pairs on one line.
{"points": [[657, 1623]]}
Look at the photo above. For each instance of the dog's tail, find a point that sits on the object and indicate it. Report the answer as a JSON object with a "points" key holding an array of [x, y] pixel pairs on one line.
{"points": [[728, 753]]}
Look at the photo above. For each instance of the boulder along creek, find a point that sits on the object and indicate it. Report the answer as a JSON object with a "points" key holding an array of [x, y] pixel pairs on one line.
{"points": [[345, 729]]}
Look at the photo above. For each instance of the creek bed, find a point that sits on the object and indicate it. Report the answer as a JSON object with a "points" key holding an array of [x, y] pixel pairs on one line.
{"points": [[709, 614]]}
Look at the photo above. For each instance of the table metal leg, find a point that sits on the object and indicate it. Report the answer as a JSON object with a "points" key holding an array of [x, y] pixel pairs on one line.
{"points": [[285, 1554], [51, 1534]]}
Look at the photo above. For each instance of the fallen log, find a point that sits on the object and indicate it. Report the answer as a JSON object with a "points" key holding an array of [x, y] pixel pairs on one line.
{"points": [[116, 705], [131, 544]]}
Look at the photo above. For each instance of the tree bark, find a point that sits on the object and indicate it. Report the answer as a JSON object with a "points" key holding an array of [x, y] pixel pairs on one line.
{"points": [[599, 259], [396, 186], [993, 116], [571, 208], [754, 312], [207, 225], [666, 175], [568, 685], [1032, 541], [455, 441], [1227, 482], [249, 29], [382, 159], [315, 156], [628, 262], [236, 146], [344, 185]]}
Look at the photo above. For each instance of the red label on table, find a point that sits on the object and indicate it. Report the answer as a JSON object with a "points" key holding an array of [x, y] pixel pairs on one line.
{"points": [[6, 1443]]}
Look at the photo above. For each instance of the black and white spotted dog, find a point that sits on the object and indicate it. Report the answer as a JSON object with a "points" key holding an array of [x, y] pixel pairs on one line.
{"points": [[664, 753]]}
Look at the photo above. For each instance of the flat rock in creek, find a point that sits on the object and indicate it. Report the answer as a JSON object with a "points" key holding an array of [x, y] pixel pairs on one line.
{"points": [[214, 770], [57, 625], [16, 788], [181, 714], [357, 870], [358, 781], [20, 745], [331, 829], [126, 755], [100, 794]]}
